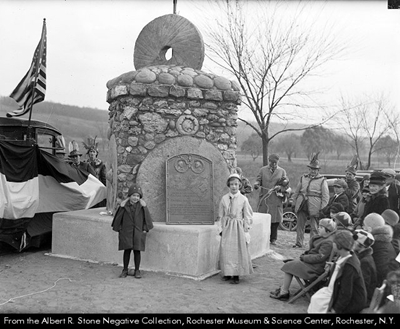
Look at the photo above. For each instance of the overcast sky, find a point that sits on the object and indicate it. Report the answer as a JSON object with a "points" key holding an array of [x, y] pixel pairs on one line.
{"points": [[91, 42]]}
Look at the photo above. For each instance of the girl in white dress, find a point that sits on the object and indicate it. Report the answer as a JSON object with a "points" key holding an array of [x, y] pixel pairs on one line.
{"points": [[235, 217]]}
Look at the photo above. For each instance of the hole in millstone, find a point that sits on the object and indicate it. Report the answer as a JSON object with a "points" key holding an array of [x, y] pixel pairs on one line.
{"points": [[166, 53]]}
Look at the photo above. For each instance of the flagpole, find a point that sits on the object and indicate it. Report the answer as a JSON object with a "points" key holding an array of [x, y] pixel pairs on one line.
{"points": [[33, 88], [174, 6]]}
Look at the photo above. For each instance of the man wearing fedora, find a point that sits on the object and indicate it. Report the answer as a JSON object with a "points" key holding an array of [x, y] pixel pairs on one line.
{"points": [[393, 189], [310, 196], [272, 194], [75, 159]]}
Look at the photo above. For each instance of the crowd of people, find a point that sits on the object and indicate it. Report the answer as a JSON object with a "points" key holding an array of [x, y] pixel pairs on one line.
{"points": [[357, 227]]}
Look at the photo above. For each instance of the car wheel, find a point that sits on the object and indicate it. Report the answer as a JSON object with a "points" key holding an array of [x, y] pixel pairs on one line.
{"points": [[289, 222]]}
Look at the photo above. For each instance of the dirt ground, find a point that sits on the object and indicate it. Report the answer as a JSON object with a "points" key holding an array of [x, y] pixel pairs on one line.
{"points": [[36, 282]]}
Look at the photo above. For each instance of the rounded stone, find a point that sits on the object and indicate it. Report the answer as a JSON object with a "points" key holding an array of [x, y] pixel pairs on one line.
{"points": [[203, 81], [166, 78], [185, 80], [222, 83], [145, 76]]}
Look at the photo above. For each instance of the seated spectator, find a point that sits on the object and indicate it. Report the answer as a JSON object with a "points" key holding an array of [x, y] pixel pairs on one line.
{"points": [[343, 221], [359, 210], [339, 187], [391, 303], [383, 252], [396, 238], [346, 291], [379, 201], [336, 208], [362, 248], [373, 220], [391, 217], [312, 262]]}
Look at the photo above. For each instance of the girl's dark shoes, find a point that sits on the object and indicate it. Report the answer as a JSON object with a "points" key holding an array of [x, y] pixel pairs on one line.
{"points": [[235, 280], [226, 278], [124, 274], [135, 273]]}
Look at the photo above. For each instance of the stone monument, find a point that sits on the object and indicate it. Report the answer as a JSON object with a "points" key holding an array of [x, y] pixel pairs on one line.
{"points": [[172, 130]]}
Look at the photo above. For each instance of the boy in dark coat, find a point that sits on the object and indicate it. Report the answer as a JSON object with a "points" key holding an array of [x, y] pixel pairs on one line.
{"points": [[363, 250], [339, 188], [132, 221]]}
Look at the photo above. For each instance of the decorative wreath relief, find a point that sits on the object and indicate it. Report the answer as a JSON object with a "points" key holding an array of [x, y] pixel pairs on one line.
{"points": [[187, 125]]}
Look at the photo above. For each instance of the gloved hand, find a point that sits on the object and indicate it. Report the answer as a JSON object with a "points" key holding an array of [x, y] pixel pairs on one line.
{"points": [[142, 203]]}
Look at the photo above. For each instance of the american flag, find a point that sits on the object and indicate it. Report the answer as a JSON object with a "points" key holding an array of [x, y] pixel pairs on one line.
{"points": [[32, 87]]}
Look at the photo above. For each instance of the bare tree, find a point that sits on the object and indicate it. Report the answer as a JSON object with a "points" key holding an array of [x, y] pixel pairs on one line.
{"points": [[271, 55], [366, 123]]}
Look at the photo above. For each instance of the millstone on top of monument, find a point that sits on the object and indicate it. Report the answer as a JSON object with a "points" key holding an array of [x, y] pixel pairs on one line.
{"points": [[169, 32]]}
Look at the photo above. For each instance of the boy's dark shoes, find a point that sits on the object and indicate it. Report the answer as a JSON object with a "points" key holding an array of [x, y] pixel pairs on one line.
{"points": [[226, 278], [235, 280], [124, 274], [137, 274], [288, 260], [297, 246]]}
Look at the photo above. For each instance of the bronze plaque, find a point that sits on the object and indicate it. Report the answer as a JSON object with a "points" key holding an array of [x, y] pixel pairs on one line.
{"points": [[189, 184]]}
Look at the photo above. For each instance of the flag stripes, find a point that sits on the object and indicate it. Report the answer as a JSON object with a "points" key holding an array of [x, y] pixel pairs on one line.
{"points": [[32, 87], [32, 181]]}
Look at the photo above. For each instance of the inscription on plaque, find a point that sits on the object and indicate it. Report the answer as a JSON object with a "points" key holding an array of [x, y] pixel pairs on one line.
{"points": [[189, 183]]}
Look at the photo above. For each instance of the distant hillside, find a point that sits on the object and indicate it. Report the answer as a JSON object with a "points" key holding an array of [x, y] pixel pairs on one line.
{"points": [[75, 123], [78, 123]]}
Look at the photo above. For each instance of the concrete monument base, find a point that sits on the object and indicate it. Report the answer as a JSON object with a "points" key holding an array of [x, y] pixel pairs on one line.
{"points": [[185, 250]]}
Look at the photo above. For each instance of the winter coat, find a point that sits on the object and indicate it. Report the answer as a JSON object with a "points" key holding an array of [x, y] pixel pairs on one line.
{"points": [[318, 194], [130, 222], [396, 238], [383, 252], [352, 192], [349, 293], [368, 270], [100, 170], [312, 262], [340, 198], [377, 203], [268, 181], [394, 196]]}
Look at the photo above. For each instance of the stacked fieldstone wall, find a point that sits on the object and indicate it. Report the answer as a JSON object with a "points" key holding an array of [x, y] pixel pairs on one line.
{"points": [[154, 104]]}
